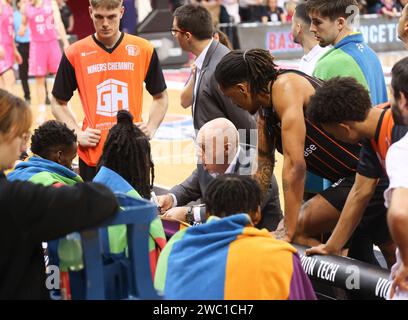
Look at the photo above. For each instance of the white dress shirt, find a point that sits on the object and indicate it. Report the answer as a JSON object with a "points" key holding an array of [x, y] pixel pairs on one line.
{"points": [[308, 62], [199, 66]]}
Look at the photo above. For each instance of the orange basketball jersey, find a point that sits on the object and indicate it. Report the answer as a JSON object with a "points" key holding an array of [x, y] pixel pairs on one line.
{"points": [[108, 82]]}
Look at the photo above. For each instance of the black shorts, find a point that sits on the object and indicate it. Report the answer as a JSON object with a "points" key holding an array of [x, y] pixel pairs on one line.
{"points": [[374, 221], [86, 172]]}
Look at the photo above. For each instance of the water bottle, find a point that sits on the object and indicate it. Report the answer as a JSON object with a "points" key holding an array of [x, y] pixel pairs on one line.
{"points": [[70, 252]]}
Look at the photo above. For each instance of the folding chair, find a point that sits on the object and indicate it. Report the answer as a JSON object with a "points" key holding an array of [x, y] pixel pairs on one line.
{"points": [[128, 277]]}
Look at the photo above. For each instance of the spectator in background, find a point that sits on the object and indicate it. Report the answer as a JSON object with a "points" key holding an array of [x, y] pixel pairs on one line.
{"points": [[290, 7], [273, 12], [389, 8], [251, 80], [220, 153], [362, 6], [312, 53], [66, 16], [331, 26], [302, 35], [373, 6], [174, 4], [256, 10], [23, 47], [374, 128], [232, 7]]}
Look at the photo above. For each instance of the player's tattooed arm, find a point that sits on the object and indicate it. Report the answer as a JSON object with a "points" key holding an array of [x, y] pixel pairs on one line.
{"points": [[266, 161]]}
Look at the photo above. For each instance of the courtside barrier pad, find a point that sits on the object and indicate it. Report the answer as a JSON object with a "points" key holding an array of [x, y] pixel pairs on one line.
{"points": [[360, 279]]}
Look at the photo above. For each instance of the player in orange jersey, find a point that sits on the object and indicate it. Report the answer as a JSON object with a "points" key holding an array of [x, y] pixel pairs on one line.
{"points": [[108, 68]]}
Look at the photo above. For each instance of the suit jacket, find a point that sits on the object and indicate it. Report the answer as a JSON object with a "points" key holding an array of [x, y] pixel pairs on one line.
{"points": [[210, 103], [194, 187]]}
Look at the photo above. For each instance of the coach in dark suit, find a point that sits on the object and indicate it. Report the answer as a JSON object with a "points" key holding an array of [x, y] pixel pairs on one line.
{"points": [[193, 29], [221, 153]]}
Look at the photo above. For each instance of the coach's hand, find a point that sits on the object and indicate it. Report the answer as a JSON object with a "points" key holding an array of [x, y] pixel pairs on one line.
{"points": [[178, 213], [324, 250], [165, 202], [89, 138]]}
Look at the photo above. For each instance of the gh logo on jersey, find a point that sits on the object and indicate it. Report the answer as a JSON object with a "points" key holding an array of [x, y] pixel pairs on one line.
{"points": [[112, 94]]}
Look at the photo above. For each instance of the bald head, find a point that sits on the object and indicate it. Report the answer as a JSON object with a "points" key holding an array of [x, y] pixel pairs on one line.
{"points": [[218, 142]]}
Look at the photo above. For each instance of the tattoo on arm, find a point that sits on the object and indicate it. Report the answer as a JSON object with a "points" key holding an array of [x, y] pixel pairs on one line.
{"points": [[264, 174], [266, 161]]}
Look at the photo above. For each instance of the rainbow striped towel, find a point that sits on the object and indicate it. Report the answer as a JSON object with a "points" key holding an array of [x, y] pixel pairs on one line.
{"points": [[230, 259], [42, 171]]}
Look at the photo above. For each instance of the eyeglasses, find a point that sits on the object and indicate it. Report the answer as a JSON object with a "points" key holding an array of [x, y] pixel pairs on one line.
{"points": [[174, 32]]}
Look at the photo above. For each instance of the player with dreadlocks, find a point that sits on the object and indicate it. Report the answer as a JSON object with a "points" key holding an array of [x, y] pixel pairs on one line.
{"points": [[126, 166], [252, 80], [127, 152]]}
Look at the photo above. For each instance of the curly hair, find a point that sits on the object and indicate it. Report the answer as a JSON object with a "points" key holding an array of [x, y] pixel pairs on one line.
{"points": [[15, 115], [127, 152], [339, 100], [254, 66], [231, 194], [399, 82], [50, 135]]}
